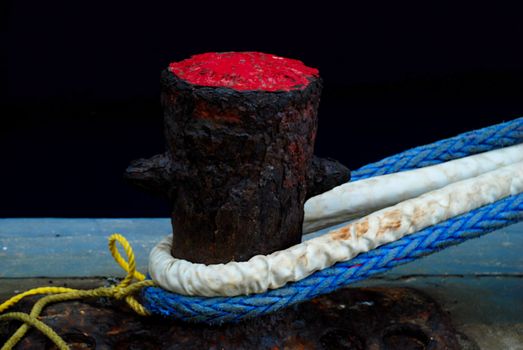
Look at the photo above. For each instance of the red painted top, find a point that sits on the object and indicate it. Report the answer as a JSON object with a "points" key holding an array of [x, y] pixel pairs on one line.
{"points": [[244, 71]]}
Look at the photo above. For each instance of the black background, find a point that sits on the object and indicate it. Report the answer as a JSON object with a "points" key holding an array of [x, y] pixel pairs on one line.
{"points": [[82, 87]]}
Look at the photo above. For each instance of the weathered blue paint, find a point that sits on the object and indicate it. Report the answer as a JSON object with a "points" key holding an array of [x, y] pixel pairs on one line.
{"points": [[78, 248], [72, 247]]}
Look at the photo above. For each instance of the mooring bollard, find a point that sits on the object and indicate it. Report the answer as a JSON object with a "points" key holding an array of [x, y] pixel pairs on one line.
{"points": [[240, 131]]}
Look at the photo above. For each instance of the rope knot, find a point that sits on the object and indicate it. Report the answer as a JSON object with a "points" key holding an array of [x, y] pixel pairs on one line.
{"points": [[123, 291], [118, 292]]}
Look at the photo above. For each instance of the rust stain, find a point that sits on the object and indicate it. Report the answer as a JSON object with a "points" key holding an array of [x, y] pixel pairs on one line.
{"points": [[362, 227], [391, 221], [170, 98], [419, 212], [293, 147], [206, 112], [342, 233], [303, 259], [297, 343], [322, 323]]}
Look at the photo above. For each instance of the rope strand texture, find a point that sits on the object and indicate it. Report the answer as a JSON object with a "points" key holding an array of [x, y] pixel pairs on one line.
{"points": [[230, 309], [480, 221], [124, 290], [472, 142], [354, 200]]}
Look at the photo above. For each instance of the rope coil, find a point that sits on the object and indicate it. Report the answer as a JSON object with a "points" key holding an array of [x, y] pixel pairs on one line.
{"points": [[216, 310]]}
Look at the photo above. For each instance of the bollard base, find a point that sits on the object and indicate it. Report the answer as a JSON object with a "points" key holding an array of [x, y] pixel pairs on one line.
{"points": [[352, 318]]}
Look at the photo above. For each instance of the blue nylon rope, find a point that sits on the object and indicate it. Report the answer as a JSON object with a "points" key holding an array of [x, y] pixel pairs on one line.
{"points": [[472, 142], [473, 224]]}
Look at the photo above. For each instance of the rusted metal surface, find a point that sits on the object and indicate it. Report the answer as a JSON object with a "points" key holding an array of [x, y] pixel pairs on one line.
{"points": [[237, 168], [357, 318]]}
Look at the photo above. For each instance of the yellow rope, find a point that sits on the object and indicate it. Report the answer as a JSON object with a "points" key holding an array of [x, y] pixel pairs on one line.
{"points": [[124, 290], [42, 327]]}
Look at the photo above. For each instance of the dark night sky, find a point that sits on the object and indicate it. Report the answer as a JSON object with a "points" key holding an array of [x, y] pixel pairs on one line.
{"points": [[82, 84]]}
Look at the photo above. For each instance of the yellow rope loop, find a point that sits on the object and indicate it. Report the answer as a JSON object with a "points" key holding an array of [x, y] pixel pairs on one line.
{"points": [[129, 267], [124, 290]]}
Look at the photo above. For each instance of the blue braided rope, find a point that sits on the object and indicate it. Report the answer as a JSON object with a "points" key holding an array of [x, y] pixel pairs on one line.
{"points": [[473, 142], [432, 239]]}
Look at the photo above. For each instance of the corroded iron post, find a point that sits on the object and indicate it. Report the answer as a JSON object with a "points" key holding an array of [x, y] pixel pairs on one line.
{"points": [[240, 131]]}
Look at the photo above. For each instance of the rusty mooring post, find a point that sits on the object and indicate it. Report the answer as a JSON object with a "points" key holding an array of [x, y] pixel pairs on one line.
{"points": [[351, 319], [240, 131]]}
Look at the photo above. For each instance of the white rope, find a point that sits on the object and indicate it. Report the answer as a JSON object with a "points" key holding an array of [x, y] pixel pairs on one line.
{"points": [[272, 271], [356, 199]]}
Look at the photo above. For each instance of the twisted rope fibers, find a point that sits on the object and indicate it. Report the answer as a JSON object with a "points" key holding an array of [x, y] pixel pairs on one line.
{"points": [[124, 290], [467, 144], [473, 224]]}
